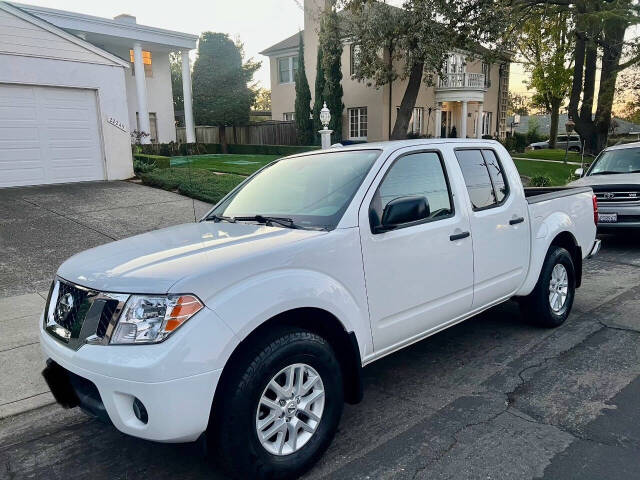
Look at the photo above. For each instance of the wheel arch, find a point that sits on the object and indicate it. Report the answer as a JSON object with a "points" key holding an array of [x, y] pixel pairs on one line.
{"points": [[318, 321]]}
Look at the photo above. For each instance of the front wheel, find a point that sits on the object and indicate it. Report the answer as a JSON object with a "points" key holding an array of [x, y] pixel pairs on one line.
{"points": [[280, 409], [550, 302]]}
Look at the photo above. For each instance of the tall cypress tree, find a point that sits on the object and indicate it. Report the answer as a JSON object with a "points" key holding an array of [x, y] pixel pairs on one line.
{"points": [[304, 123], [318, 97], [331, 44]]}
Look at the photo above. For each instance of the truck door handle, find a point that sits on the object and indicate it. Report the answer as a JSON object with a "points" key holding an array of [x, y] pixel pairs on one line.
{"points": [[515, 221], [459, 236]]}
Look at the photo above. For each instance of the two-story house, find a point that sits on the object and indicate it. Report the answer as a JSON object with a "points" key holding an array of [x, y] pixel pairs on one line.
{"points": [[469, 99], [73, 87]]}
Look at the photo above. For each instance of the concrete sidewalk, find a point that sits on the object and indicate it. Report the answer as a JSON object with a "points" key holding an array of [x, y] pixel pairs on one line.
{"points": [[40, 227]]}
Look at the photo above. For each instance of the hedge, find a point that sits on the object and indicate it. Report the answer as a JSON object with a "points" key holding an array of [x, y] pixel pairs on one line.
{"points": [[195, 183], [159, 160], [184, 149]]}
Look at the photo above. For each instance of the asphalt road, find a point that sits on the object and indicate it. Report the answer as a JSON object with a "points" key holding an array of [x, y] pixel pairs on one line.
{"points": [[492, 398]]}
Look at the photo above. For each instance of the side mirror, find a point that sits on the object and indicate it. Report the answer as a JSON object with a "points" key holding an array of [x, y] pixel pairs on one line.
{"points": [[579, 172], [403, 210]]}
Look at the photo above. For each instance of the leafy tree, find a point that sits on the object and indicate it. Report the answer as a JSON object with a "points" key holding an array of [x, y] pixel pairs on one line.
{"points": [[330, 40], [175, 66], [629, 91], [413, 43], [545, 45], [318, 96], [262, 101], [518, 104], [304, 124], [221, 95]]}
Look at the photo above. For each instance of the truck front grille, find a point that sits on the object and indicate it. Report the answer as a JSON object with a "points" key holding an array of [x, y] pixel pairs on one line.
{"points": [[76, 315]]}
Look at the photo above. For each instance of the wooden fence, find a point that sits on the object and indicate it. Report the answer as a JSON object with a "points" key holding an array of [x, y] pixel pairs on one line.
{"points": [[267, 133]]}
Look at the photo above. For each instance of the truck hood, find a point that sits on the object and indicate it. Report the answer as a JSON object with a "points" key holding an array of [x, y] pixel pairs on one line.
{"points": [[613, 179], [154, 261]]}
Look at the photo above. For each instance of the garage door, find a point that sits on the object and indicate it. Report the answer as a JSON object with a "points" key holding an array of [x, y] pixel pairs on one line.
{"points": [[48, 135]]}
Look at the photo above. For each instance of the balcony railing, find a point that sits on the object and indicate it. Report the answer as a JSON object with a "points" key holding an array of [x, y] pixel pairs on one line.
{"points": [[461, 80]]}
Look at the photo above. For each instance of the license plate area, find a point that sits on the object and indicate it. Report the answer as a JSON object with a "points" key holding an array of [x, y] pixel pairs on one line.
{"points": [[607, 218]]}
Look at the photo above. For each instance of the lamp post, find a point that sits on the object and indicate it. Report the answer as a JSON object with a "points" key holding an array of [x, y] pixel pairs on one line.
{"points": [[325, 133], [568, 127]]}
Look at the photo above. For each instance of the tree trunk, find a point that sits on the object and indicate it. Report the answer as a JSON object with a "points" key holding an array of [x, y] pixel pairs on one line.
{"points": [[555, 117], [223, 139], [401, 126], [614, 31]]}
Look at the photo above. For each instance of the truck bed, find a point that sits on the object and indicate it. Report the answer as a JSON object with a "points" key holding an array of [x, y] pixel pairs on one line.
{"points": [[542, 194]]}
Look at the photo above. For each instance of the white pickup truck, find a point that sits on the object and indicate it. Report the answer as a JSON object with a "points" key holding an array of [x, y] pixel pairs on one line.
{"points": [[252, 325]]}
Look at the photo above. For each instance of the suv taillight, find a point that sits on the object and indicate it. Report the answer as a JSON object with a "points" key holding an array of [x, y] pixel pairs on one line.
{"points": [[595, 209]]}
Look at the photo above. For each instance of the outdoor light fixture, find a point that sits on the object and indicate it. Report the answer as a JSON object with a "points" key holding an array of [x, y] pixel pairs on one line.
{"points": [[325, 116]]}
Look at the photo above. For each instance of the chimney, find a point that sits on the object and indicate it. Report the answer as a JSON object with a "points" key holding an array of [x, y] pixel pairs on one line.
{"points": [[125, 18]]}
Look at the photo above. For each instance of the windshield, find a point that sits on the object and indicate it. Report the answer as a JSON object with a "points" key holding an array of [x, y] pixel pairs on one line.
{"points": [[626, 160], [313, 191]]}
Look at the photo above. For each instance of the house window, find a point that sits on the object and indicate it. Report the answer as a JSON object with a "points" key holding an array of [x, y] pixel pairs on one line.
{"points": [[146, 61], [486, 71], [354, 58], [486, 123], [287, 68], [153, 126], [358, 123], [289, 116]]}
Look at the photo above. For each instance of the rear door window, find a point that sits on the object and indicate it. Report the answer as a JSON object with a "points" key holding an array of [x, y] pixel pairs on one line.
{"points": [[484, 177]]}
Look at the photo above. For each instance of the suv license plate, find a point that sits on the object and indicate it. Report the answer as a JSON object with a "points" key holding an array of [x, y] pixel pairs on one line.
{"points": [[607, 217]]}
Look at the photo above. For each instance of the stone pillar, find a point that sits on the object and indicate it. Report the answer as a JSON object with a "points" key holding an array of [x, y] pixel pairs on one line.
{"points": [[479, 127], [141, 92], [438, 121], [325, 138], [463, 125], [188, 102]]}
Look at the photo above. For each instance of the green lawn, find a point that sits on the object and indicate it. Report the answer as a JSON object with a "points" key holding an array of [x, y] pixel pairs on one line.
{"points": [[548, 154], [238, 164], [558, 173], [196, 183]]}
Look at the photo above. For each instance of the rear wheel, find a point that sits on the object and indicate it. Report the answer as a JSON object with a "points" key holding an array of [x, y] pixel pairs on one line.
{"points": [[278, 411], [550, 302]]}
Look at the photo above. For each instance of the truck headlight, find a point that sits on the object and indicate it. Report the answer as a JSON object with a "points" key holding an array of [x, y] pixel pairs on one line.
{"points": [[151, 319]]}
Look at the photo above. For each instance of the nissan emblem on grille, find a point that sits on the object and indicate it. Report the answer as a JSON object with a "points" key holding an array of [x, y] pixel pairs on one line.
{"points": [[65, 305]]}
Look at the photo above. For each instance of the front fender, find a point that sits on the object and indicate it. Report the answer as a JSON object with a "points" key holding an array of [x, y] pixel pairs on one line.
{"points": [[251, 302], [542, 237]]}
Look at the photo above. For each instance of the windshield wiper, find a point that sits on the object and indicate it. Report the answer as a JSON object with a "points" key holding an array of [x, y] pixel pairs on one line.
{"points": [[285, 222], [606, 172], [220, 218]]}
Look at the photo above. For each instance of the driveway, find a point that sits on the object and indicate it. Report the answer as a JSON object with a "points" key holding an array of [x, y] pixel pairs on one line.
{"points": [[40, 227]]}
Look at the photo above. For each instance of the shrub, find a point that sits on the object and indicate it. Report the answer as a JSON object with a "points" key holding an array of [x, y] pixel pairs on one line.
{"points": [[157, 160], [270, 149], [140, 166], [195, 183], [540, 181]]}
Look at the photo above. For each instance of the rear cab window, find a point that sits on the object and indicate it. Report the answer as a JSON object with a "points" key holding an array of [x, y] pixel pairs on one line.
{"points": [[484, 177]]}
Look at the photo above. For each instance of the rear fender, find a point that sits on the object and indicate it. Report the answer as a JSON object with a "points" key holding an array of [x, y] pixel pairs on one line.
{"points": [[552, 226]]}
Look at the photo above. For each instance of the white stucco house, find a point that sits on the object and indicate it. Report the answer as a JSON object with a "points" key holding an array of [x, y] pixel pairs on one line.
{"points": [[73, 87]]}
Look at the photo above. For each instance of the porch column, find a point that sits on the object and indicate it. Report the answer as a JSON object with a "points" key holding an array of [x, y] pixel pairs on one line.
{"points": [[463, 125], [479, 120], [141, 92], [437, 124], [186, 91]]}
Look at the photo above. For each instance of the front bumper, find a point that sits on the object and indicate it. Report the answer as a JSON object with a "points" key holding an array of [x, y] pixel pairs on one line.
{"points": [[628, 216], [174, 380]]}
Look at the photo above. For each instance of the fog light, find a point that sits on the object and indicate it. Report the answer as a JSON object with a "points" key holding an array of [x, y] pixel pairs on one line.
{"points": [[140, 411]]}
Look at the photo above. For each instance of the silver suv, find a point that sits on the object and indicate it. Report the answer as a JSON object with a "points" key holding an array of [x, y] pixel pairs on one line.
{"points": [[614, 177], [561, 142]]}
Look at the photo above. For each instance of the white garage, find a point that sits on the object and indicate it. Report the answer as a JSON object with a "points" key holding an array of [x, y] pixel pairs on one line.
{"points": [[49, 135], [63, 106]]}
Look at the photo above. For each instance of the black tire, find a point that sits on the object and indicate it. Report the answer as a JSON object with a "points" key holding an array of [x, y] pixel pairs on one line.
{"points": [[536, 307], [233, 426], [574, 149]]}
